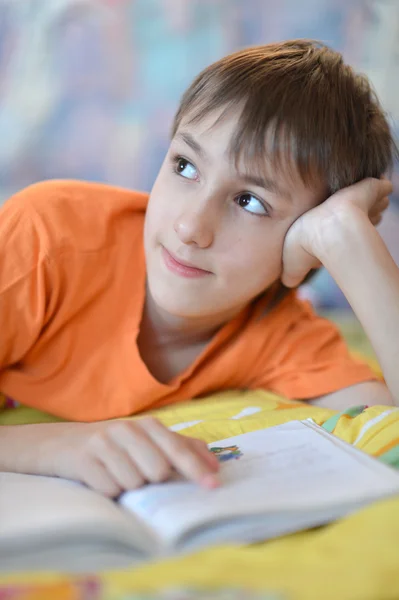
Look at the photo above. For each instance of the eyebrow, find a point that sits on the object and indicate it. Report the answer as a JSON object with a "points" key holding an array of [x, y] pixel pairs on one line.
{"points": [[264, 182], [190, 141], [257, 180]]}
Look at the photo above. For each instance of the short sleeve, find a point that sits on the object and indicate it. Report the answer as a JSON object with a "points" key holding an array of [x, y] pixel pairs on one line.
{"points": [[24, 280], [309, 357]]}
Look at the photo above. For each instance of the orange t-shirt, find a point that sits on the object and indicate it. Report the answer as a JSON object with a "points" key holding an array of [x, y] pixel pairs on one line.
{"points": [[72, 289]]}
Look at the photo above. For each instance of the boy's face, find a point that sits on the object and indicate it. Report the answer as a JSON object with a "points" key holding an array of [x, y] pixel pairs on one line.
{"points": [[228, 223]]}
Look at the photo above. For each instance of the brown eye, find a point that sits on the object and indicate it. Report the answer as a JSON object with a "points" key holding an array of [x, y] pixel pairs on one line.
{"points": [[181, 164], [251, 204], [244, 200], [186, 169]]}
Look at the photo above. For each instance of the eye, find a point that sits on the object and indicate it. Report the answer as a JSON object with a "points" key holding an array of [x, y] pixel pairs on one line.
{"points": [[251, 204], [185, 168]]}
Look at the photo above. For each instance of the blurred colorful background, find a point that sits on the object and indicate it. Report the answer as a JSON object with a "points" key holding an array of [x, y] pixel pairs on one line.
{"points": [[88, 88]]}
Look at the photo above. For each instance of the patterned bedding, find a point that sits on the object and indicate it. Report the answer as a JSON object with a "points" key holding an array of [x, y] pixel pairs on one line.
{"points": [[355, 558]]}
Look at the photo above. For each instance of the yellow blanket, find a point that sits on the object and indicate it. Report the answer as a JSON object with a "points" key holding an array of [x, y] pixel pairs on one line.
{"points": [[355, 558]]}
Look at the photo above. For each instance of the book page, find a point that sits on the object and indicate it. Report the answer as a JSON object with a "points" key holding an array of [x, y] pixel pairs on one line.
{"points": [[286, 468], [36, 510]]}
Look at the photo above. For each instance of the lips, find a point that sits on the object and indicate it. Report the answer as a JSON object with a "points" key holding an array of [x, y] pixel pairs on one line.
{"points": [[182, 267]]}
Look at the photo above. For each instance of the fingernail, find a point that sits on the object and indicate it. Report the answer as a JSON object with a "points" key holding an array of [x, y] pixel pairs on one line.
{"points": [[210, 481]]}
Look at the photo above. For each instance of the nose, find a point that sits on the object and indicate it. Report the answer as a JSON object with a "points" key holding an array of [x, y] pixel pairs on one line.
{"points": [[196, 227]]}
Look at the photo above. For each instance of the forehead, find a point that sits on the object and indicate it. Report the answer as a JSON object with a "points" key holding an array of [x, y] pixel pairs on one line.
{"points": [[214, 138], [215, 129]]}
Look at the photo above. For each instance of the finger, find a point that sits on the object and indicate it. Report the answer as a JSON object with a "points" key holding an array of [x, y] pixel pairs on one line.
{"points": [[96, 476], [117, 463], [383, 178], [376, 220], [368, 191], [386, 187], [181, 454], [376, 213], [202, 448], [381, 205], [384, 203], [148, 458]]}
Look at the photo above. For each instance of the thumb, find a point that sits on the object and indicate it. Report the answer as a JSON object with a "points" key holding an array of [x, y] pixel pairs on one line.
{"points": [[296, 265]]}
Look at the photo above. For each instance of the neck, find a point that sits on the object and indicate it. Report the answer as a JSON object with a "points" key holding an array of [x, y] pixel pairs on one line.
{"points": [[166, 329]]}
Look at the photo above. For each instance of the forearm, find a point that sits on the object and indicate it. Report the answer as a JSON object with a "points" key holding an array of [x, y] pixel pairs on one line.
{"points": [[25, 449], [360, 263]]}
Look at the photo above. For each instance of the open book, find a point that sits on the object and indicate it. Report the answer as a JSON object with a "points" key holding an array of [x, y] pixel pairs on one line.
{"points": [[274, 481]]}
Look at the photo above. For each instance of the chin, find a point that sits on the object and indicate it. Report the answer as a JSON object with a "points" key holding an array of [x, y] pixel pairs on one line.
{"points": [[177, 305], [179, 297]]}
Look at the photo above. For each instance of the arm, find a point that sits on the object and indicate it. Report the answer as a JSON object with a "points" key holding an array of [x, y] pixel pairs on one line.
{"points": [[369, 393], [339, 234], [365, 271], [108, 456]]}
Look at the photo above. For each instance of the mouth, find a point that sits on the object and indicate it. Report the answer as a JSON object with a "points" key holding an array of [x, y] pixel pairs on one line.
{"points": [[180, 267]]}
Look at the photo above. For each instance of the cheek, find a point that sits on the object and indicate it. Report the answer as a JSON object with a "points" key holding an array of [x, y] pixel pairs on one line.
{"points": [[159, 216], [256, 259]]}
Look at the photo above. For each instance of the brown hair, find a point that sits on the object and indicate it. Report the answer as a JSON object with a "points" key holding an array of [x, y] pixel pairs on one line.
{"points": [[322, 119], [318, 113]]}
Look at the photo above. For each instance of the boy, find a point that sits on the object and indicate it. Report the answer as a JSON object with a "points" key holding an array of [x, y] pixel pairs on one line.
{"points": [[105, 313]]}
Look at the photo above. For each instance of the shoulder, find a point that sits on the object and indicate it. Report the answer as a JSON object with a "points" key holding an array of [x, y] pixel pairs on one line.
{"points": [[70, 195], [290, 322], [287, 310], [89, 214], [297, 353]]}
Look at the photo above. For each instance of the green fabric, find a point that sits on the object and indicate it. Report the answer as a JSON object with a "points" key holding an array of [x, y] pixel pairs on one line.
{"points": [[353, 411], [391, 457], [23, 415]]}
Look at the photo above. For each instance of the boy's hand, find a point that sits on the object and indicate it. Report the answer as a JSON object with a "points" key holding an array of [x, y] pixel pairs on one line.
{"points": [[315, 232], [110, 456]]}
